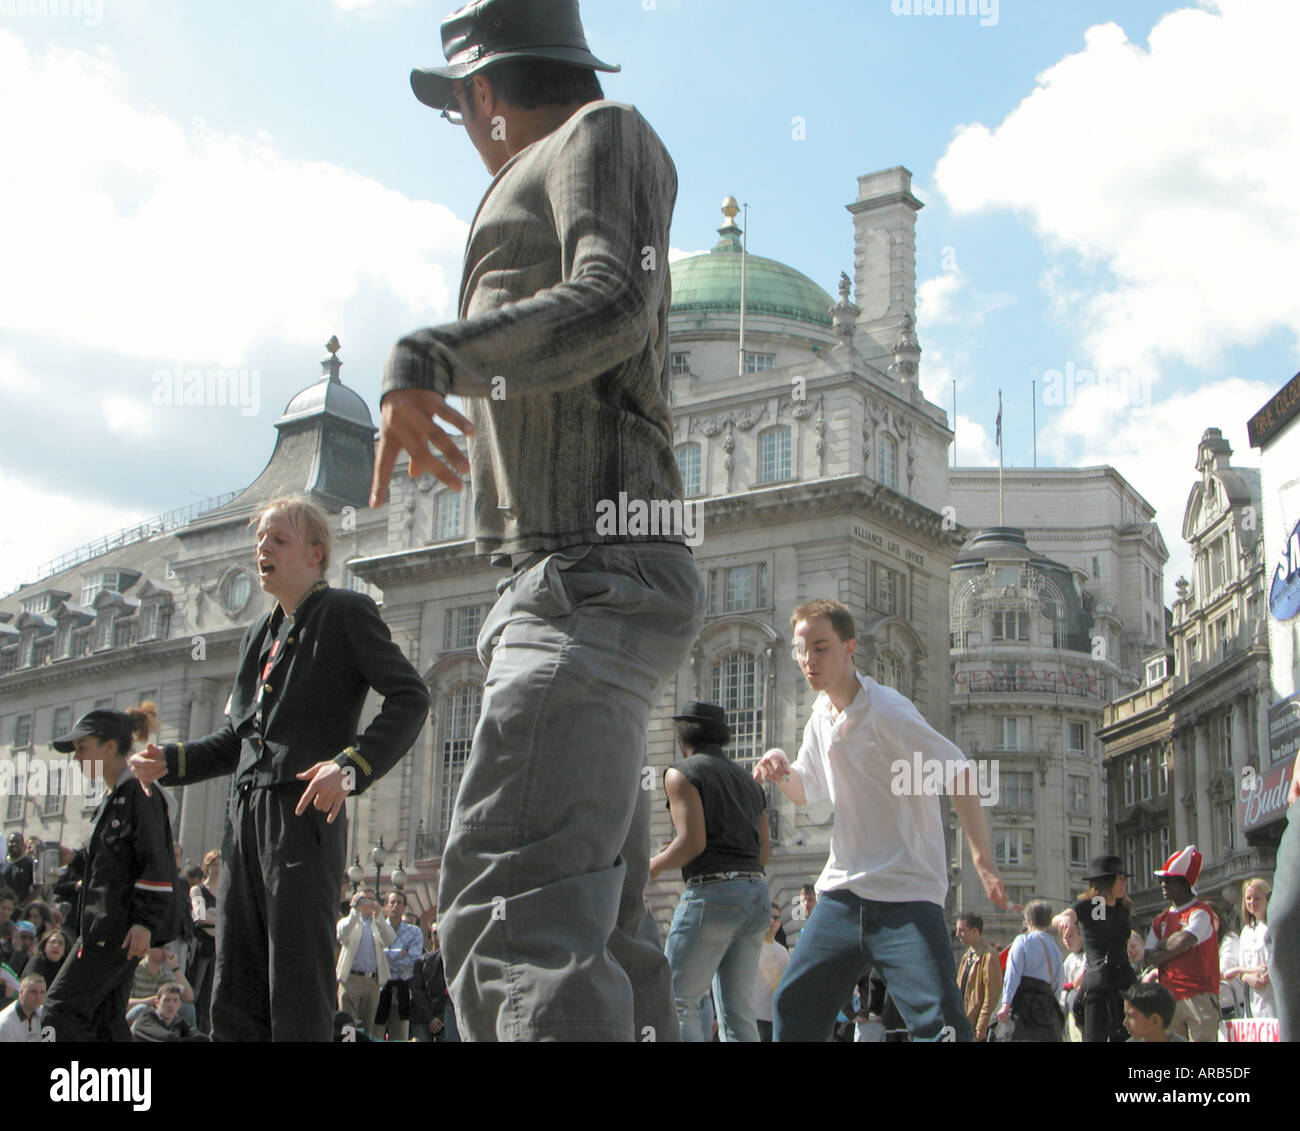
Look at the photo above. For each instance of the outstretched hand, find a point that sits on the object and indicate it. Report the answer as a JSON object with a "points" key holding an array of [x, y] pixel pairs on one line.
{"points": [[407, 424], [148, 766]]}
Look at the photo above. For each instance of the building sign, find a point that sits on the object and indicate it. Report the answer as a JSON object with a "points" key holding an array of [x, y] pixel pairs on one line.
{"points": [[887, 544], [1254, 1029], [1262, 797], [1284, 593], [1276, 415], [1284, 730], [1049, 681]]}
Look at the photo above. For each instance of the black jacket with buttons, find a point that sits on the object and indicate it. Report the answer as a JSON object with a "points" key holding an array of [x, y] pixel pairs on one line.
{"points": [[126, 869], [335, 650]]}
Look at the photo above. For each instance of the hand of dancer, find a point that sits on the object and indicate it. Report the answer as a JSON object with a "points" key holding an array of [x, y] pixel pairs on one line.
{"points": [[407, 423], [148, 766], [327, 789]]}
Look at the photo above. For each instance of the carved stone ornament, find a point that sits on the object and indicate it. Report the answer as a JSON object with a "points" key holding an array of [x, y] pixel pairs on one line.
{"points": [[746, 418]]}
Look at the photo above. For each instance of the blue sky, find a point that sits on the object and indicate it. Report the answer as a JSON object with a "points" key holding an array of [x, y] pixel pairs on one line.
{"points": [[1109, 187]]}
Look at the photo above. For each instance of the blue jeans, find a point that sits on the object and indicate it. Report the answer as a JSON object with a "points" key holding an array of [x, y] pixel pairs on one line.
{"points": [[542, 895], [1284, 927], [906, 942], [717, 934]]}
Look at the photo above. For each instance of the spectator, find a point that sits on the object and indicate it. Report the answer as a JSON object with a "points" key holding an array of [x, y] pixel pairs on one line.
{"points": [[8, 901], [978, 977], [21, 1021], [1148, 1012], [1137, 957], [1073, 968], [159, 968], [42, 917], [24, 947], [429, 999], [1034, 978], [51, 953], [1255, 952], [362, 965], [772, 961], [184, 914], [1183, 943], [203, 910], [393, 1017], [805, 903], [1232, 991], [162, 1022], [18, 869]]}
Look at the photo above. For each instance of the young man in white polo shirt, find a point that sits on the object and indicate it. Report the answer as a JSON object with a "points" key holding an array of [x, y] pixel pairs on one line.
{"points": [[884, 884]]}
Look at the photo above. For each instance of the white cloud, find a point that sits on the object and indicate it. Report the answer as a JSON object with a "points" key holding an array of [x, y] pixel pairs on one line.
{"points": [[974, 443], [30, 535], [1162, 181], [126, 416], [676, 253], [14, 377], [1153, 445], [365, 8], [146, 237], [934, 297]]}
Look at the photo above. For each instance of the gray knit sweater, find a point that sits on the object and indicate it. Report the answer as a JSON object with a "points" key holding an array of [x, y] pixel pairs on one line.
{"points": [[564, 296]]}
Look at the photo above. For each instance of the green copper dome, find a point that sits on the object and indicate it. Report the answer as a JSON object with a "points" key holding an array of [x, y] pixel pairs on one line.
{"points": [[711, 282]]}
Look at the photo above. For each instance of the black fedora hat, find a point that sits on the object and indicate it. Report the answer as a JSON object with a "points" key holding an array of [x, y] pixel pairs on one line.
{"points": [[102, 723], [709, 713], [1105, 866], [488, 31]]}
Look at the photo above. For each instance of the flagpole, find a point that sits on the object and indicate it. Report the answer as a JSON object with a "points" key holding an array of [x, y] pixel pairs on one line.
{"points": [[1034, 402], [744, 255], [954, 422], [1001, 517]]}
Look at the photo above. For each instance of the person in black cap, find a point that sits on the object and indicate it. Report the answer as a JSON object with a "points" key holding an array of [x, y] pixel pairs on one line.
{"points": [[125, 873], [291, 742], [561, 354], [1104, 914], [721, 846]]}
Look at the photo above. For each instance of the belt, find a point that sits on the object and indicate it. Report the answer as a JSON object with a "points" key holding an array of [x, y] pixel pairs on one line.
{"points": [[718, 877], [363, 974]]}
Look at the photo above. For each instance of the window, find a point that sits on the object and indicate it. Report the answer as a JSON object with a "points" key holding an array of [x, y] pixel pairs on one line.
{"points": [[1011, 733], [1096, 566], [103, 630], [689, 468], [1130, 855], [1010, 626], [738, 689], [39, 604], [52, 805], [447, 520], [1078, 849], [150, 695], [738, 589], [759, 362], [63, 640], [149, 618], [460, 710], [1077, 796], [774, 455], [123, 632], [22, 730], [97, 583], [8, 660], [1162, 777], [1144, 783], [1156, 670], [889, 462], [1076, 737], [1129, 795], [1017, 789], [681, 362], [356, 582], [164, 622], [887, 590], [1224, 725], [1165, 852], [1148, 853], [62, 722], [1218, 563], [237, 591], [889, 671], [1020, 894], [1012, 847], [14, 807], [462, 627]]}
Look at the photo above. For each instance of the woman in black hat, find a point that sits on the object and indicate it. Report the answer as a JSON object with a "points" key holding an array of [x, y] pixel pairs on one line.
{"points": [[1104, 914], [126, 871]]}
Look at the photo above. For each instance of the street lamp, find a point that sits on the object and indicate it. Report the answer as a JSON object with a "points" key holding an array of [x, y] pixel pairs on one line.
{"points": [[399, 875], [356, 873], [379, 854]]}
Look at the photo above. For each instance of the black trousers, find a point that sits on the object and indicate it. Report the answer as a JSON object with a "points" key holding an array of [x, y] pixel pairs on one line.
{"points": [[280, 879], [1103, 1015], [88, 999]]}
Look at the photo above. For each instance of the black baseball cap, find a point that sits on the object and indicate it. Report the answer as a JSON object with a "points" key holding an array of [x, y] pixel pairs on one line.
{"points": [[103, 722]]}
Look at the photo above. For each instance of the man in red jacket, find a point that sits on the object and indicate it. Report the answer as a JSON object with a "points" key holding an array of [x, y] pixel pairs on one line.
{"points": [[1183, 943]]}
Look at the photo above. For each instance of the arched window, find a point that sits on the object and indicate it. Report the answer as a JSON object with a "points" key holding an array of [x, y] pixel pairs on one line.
{"points": [[447, 520], [889, 671], [460, 711], [738, 689], [689, 466], [889, 462], [774, 455]]}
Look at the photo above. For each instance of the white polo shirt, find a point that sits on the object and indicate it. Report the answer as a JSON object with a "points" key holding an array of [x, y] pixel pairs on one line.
{"points": [[887, 842]]}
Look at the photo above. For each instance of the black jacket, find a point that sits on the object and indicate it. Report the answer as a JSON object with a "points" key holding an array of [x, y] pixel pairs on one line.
{"points": [[335, 649], [126, 869]]}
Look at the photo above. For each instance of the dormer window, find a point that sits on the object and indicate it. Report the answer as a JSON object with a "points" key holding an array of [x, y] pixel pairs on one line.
{"points": [[96, 583]]}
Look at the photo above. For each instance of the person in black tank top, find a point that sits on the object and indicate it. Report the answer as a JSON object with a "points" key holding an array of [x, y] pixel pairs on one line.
{"points": [[720, 816]]}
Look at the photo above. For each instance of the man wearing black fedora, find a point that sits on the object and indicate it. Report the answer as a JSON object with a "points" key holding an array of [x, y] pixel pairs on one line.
{"points": [[720, 817], [560, 351]]}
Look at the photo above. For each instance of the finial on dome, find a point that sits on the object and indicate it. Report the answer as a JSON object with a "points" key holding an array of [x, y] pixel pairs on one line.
{"points": [[331, 365]]}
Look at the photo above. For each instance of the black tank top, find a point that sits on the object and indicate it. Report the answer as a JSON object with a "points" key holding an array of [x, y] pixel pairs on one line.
{"points": [[732, 803]]}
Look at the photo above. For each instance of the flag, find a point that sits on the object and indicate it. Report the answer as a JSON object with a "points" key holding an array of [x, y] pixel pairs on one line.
{"points": [[998, 439]]}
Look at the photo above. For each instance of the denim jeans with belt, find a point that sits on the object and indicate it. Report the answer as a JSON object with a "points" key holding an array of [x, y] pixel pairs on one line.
{"points": [[906, 942], [717, 934], [543, 923]]}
